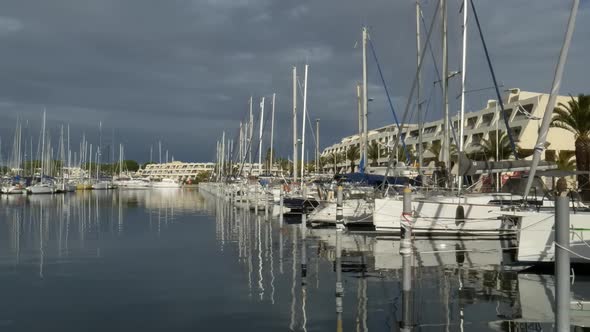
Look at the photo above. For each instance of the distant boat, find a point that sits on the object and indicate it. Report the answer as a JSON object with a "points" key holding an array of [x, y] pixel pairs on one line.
{"points": [[42, 188], [16, 188], [166, 183], [133, 184], [101, 185]]}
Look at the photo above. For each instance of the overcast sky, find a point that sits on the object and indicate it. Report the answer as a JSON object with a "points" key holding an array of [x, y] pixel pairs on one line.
{"points": [[181, 71]]}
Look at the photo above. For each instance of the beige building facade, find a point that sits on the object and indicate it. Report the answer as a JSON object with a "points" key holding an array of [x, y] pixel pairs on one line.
{"points": [[524, 111]]}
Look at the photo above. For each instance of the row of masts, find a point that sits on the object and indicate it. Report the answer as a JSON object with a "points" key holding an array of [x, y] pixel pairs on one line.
{"points": [[47, 161], [246, 131], [225, 147]]}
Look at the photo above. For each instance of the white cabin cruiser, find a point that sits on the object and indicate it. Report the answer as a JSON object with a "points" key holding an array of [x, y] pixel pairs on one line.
{"points": [[166, 183]]}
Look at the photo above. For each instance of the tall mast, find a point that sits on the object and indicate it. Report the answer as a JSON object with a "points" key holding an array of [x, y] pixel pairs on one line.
{"points": [[69, 152], [303, 125], [359, 100], [445, 146], [541, 139], [418, 89], [463, 75], [62, 152], [365, 139], [241, 145], [43, 145], [160, 152], [260, 137], [295, 164], [272, 133], [222, 172], [98, 149], [90, 163], [251, 126], [317, 146]]}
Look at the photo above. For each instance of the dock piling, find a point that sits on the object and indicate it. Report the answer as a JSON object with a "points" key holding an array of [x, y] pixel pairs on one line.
{"points": [[562, 264]]}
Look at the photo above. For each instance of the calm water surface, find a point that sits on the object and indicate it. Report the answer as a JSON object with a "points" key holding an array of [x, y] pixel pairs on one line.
{"points": [[186, 261]]}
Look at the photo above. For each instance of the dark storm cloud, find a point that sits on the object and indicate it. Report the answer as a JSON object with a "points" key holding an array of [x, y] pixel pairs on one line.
{"points": [[183, 70]]}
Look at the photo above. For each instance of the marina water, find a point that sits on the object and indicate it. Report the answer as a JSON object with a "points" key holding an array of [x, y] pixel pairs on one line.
{"points": [[180, 260]]}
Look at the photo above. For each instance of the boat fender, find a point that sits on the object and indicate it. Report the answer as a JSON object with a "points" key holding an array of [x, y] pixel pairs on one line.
{"points": [[459, 215]]}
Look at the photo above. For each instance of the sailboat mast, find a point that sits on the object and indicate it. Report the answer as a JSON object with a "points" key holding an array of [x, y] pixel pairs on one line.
{"points": [[418, 90], [90, 163], [272, 133], [317, 146], [98, 149], [548, 115], [365, 139], [260, 137], [303, 126], [445, 94], [463, 76], [251, 134], [359, 101], [240, 144], [69, 152], [222, 172], [295, 164], [43, 145]]}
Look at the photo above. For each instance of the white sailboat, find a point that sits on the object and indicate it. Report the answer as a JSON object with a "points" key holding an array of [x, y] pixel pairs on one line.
{"points": [[12, 185], [536, 240], [44, 186], [100, 184]]}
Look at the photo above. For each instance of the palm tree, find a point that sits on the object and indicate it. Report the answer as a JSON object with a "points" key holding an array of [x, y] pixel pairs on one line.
{"points": [[434, 148], [333, 159], [575, 118], [486, 148], [564, 160], [323, 162], [374, 153], [352, 155]]}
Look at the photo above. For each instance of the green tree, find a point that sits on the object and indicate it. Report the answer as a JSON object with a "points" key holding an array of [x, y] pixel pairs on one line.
{"points": [[486, 148], [435, 147], [352, 154], [203, 176], [374, 152], [565, 160], [575, 118], [324, 161]]}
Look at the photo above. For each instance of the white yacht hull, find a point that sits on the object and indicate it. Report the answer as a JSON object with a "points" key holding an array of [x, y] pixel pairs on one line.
{"points": [[101, 186], [41, 189], [353, 211], [13, 190], [439, 216], [536, 236], [165, 185]]}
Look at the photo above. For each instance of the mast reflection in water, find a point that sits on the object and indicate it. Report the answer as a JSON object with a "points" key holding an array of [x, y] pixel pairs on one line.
{"points": [[178, 260]]}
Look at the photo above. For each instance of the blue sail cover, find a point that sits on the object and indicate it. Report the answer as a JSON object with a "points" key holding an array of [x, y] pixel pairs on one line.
{"points": [[372, 179], [362, 165]]}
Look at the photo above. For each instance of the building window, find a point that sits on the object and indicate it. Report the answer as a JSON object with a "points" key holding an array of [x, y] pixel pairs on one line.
{"points": [[476, 138], [486, 119], [430, 130], [471, 122], [508, 114]]}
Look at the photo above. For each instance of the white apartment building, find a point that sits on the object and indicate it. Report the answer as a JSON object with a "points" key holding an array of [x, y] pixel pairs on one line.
{"points": [[176, 170], [524, 111]]}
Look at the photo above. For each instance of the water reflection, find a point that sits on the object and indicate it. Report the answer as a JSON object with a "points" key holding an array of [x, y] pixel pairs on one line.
{"points": [[454, 284], [288, 276]]}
